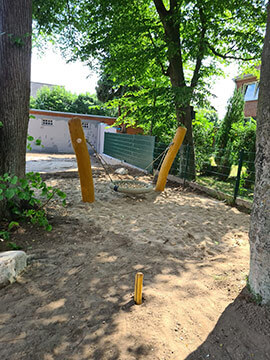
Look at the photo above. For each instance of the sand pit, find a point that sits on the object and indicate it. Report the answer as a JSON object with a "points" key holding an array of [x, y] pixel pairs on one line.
{"points": [[75, 299]]}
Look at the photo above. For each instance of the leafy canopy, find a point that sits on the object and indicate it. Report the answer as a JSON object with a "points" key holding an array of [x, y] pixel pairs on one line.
{"points": [[132, 40], [57, 98]]}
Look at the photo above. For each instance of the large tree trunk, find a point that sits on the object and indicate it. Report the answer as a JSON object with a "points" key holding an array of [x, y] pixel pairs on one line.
{"points": [[182, 92], [259, 276], [15, 62]]}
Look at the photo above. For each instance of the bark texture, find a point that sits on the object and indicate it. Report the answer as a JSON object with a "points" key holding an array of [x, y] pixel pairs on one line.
{"points": [[15, 62], [259, 276]]}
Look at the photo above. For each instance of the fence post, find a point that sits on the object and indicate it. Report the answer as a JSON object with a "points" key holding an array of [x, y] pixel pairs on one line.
{"points": [[237, 183], [187, 161]]}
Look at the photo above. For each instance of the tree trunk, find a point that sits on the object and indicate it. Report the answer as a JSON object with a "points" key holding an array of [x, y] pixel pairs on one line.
{"points": [[182, 92], [15, 62], [259, 276]]}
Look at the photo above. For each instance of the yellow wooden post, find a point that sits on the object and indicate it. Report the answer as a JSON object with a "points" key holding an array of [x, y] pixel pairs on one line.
{"points": [[138, 288], [169, 158], [83, 159]]}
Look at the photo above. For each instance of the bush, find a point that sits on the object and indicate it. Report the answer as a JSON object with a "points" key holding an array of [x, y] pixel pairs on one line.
{"points": [[203, 133], [25, 200], [58, 98], [243, 135], [234, 114]]}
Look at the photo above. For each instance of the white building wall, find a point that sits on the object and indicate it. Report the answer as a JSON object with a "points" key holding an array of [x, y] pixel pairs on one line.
{"points": [[55, 136], [102, 128]]}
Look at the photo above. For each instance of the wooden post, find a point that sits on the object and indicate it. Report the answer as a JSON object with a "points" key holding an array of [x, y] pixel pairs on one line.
{"points": [[138, 288], [83, 159], [171, 154]]}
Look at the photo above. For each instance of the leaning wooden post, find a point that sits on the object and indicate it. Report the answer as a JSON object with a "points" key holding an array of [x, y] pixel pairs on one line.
{"points": [[168, 161], [83, 159]]}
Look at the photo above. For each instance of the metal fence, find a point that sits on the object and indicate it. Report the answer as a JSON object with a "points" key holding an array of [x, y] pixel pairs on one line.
{"points": [[219, 169], [134, 149]]}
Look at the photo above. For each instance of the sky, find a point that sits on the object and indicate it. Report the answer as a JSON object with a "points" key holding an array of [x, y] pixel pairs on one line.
{"points": [[51, 68]]}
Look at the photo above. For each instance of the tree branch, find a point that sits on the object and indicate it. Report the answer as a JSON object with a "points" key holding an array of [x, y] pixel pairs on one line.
{"points": [[225, 56], [160, 9], [196, 73], [164, 72], [173, 4]]}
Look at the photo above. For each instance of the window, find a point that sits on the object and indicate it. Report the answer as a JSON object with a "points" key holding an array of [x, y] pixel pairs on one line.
{"points": [[85, 125], [251, 92], [47, 122]]}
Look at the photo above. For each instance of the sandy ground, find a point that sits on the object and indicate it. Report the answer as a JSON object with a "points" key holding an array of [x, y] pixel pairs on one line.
{"points": [[74, 301], [50, 162]]}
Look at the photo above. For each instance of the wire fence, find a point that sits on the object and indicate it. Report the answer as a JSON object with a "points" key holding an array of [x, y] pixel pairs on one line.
{"points": [[219, 169]]}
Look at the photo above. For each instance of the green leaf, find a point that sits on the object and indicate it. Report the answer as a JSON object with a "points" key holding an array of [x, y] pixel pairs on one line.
{"points": [[23, 196], [14, 180], [49, 228], [38, 142], [61, 194], [13, 224], [10, 193], [4, 235], [24, 183], [14, 246]]}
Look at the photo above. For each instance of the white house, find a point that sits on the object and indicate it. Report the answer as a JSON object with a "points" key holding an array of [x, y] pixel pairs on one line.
{"points": [[51, 127]]}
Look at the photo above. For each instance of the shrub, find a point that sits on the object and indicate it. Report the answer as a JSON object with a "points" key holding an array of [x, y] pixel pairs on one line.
{"points": [[203, 132], [25, 199]]}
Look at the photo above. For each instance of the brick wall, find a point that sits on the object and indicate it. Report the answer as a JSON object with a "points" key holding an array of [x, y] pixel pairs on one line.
{"points": [[250, 108]]}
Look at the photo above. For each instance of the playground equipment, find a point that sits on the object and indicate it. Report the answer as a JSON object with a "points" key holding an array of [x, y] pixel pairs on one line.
{"points": [[83, 159], [168, 161], [134, 186]]}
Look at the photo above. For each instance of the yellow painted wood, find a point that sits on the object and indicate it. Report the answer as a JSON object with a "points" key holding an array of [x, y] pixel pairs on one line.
{"points": [[169, 158], [138, 288], [83, 159]]}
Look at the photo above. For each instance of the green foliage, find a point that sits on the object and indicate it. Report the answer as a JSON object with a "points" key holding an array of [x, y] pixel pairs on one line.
{"points": [[58, 98], [140, 41], [25, 199], [235, 114], [30, 139], [243, 138], [204, 132], [150, 107]]}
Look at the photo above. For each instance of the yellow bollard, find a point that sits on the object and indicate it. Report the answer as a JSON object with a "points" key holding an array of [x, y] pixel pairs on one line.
{"points": [[83, 159], [169, 158], [138, 288]]}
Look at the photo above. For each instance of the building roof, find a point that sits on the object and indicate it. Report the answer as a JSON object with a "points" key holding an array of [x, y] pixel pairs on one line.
{"points": [[105, 119]]}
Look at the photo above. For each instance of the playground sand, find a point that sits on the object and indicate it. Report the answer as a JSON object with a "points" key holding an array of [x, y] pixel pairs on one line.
{"points": [[75, 299]]}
